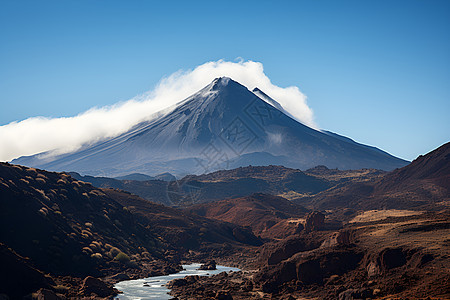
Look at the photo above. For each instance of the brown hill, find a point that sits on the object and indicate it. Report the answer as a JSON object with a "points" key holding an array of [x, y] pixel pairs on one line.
{"points": [[243, 182], [183, 230], [69, 228], [342, 176], [267, 216], [423, 184], [219, 185], [432, 168]]}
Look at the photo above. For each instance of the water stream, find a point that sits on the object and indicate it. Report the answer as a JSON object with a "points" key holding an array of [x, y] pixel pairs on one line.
{"points": [[155, 287]]}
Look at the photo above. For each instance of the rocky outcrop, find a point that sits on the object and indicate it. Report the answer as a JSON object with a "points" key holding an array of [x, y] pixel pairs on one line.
{"points": [[210, 265], [45, 294], [314, 221], [340, 238], [287, 248], [221, 286], [178, 282], [92, 286], [120, 277], [351, 294], [309, 268]]}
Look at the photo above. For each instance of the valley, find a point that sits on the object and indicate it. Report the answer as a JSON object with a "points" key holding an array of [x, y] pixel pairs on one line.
{"points": [[340, 234]]}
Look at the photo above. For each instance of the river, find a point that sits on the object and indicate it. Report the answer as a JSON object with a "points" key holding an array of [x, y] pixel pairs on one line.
{"points": [[155, 287]]}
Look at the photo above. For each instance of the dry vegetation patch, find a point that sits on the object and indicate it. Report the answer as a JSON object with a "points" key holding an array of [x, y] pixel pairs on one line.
{"points": [[378, 215]]}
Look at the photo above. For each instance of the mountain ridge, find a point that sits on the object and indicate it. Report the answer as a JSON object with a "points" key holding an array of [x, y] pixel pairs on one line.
{"points": [[211, 130]]}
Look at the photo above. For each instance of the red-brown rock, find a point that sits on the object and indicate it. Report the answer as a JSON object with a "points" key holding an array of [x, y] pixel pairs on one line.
{"points": [[314, 221], [92, 285]]}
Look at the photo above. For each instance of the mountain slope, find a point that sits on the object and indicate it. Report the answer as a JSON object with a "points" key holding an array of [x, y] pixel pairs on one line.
{"points": [[423, 184], [213, 129], [68, 228], [434, 167], [268, 216]]}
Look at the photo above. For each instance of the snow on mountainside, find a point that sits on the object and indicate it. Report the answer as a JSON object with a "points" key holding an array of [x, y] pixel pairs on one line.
{"points": [[224, 125]]}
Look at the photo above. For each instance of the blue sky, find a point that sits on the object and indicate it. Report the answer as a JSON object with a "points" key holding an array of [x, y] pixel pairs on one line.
{"points": [[376, 71]]}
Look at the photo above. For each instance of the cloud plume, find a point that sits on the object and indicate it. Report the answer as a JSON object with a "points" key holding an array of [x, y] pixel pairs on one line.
{"points": [[61, 135]]}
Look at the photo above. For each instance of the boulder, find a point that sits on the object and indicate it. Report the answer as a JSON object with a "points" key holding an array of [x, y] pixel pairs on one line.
{"points": [[210, 265], [372, 269], [309, 268], [45, 294], [288, 248], [92, 285], [314, 221], [177, 283], [340, 238]]}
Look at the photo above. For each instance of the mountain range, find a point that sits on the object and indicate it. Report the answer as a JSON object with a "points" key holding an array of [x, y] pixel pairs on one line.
{"points": [[222, 126], [354, 234]]}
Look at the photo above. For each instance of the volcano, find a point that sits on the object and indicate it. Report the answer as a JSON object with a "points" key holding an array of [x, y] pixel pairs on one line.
{"points": [[222, 126]]}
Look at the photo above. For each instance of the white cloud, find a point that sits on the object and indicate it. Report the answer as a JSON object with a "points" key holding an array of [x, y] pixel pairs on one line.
{"points": [[275, 138], [38, 134]]}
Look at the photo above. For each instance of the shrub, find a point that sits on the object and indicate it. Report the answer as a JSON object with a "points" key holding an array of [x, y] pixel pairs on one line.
{"points": [[97, 256], [32, 171], [43, 211], [42, 176], [40, 180], [24, 181], [87, 250], [17, 167], [113, 252], [133, 264], [86, 232], [122, 257]]}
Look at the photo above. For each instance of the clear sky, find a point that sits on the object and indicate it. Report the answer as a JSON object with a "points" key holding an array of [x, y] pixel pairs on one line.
{"points": [[376, 71]]}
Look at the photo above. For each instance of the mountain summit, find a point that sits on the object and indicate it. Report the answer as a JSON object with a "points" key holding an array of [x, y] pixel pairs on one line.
{"points": [[224, 125]]}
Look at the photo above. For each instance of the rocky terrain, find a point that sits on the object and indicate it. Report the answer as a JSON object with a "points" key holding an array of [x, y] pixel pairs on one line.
{"points": [[422, 185], [267, 216], [318, 234], [393, 258], [357, 248], [57, 232], [244, 181]]}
